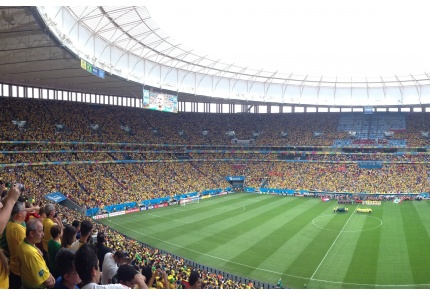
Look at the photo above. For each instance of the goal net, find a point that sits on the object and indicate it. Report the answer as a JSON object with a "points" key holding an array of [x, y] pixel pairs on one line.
{"points": [[189, 200]]}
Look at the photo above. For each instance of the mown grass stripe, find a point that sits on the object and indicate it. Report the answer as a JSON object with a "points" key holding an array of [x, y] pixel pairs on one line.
{"points": [[235, 229], [289, 236], [265, 234], [335, 264], [365, 254], [418, 243], [185, 236], [163, 219], [393, 262], [299, 231]]}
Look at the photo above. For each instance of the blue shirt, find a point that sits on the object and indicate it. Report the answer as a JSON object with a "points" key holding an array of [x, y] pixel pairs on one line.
{"points": [[59, 283]]}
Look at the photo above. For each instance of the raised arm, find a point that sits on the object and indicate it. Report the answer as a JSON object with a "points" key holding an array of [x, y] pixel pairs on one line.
{"points": [[8, 202]]}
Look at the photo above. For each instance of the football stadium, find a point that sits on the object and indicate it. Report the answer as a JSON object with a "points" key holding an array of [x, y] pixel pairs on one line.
{"points": [[130, 160]]}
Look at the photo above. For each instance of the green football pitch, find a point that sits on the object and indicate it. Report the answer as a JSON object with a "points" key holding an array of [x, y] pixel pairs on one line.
{"points": [[298, 239]]}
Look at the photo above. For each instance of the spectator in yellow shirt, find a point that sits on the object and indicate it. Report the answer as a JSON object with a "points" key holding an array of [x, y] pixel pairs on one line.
{"points": [[34, 271], [15, 233]]}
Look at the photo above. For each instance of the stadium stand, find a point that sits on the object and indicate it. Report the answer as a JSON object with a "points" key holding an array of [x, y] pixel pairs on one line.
{"points": [[101, 175], [106, 158]]}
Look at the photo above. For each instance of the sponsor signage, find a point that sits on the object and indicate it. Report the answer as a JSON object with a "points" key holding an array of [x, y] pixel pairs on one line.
{"points": [[100, 216], [235, 178], [116, 213], [56, 197], [93, 70], [370, 164], [131, 211], [183, 200]]}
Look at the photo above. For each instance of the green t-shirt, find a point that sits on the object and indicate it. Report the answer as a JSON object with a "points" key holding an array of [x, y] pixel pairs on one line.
{"points": [[53, 248]]}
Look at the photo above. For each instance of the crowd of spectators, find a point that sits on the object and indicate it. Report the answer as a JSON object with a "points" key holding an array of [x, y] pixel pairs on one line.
{"points": [[174, 274], [147, 126], [395, 178], [92, 178]]}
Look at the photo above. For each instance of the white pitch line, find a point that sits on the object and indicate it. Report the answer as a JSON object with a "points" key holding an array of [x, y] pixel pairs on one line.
{"points": [[197, 252], [328, 251], [196, 220], [272, 271]]}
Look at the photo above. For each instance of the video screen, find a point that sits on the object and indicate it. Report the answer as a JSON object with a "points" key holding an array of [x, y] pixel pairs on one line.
{"points": [[160, 101]]}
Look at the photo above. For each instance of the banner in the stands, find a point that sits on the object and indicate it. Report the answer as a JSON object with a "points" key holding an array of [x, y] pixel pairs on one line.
{"points": [[56, 197], [235, 178]]}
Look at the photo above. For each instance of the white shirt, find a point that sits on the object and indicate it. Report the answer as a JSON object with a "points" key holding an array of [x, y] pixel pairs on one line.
{"points": [[109, 268], [110, 286], [75, 246]]}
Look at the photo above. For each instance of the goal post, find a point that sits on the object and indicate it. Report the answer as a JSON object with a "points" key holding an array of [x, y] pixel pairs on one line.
{"points": [[189, 200]]}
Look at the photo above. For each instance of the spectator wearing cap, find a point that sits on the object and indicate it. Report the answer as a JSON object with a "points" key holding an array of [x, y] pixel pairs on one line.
{"points": [[86, 230], [15, 233], [102, 249], [110, 265]]}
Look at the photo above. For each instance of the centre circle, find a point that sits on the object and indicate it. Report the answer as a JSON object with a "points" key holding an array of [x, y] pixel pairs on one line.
{"points": [[320, 222]]}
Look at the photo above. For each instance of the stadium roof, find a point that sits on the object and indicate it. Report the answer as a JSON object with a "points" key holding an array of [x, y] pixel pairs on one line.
{"points": [[362, 40], [39, 51]]}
